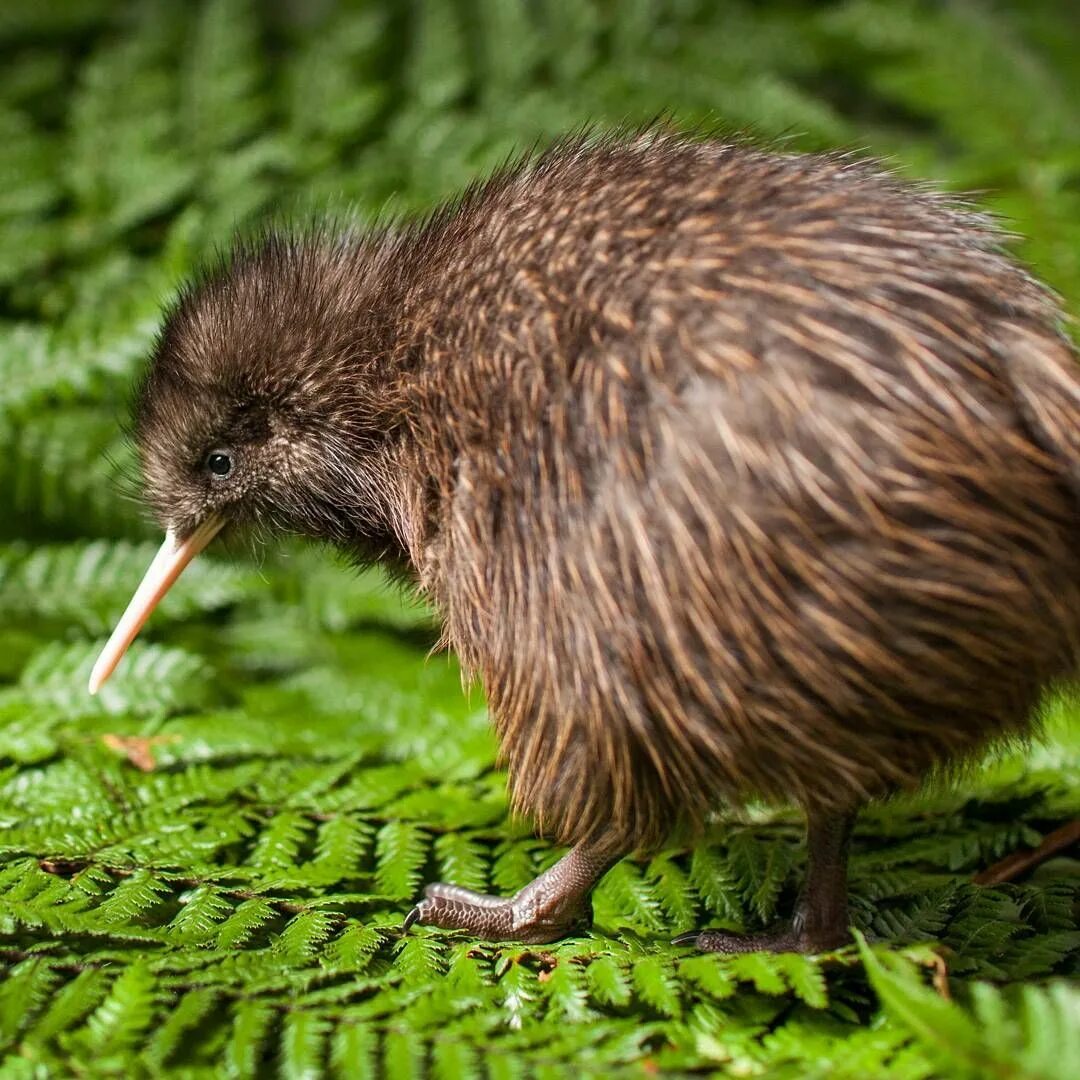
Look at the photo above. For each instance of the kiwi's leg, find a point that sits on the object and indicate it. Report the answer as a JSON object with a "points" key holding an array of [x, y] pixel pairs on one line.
{"points": [[552, 906], [820, 922]]}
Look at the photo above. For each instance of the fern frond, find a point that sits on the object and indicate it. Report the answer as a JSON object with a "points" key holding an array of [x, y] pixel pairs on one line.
{"points": [[85, 584], [608, 982], [624, 896], [126, 1012], [1032, 1033], [154, 680], [252, 1023], [204, 871], [401, 850], [656, 985]]}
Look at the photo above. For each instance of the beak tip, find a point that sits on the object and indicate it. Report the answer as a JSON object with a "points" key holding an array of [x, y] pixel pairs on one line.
{"points": [[167, 565], [100, 672]]}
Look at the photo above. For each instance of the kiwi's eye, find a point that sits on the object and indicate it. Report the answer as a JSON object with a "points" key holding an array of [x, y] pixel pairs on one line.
{"points": [[219, 462]]}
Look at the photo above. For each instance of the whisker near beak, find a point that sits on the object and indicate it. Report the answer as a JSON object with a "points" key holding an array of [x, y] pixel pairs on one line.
{"points": [[173, 555]]}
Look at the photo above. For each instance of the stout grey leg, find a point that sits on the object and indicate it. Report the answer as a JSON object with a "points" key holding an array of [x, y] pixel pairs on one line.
{"points": [[820, 921]]}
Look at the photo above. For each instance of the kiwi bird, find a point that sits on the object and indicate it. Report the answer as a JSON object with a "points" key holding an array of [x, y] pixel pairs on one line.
{"points": [[732, 474]]}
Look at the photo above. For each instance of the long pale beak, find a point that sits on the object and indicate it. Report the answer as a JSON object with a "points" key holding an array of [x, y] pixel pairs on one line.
{"points": [[168, 564]]}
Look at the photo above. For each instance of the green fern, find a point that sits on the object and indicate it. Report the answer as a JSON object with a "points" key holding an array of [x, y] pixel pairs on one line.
{"points": [[84, 584], [204, 870], [1030, 1033]]}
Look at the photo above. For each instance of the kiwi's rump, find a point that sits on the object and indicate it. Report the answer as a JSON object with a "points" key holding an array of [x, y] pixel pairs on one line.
{"points": [[755, 475]]}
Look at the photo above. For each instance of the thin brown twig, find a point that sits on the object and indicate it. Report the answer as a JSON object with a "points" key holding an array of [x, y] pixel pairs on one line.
{"points": [[1019, 863]]}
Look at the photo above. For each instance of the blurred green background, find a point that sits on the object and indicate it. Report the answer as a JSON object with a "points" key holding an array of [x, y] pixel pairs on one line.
{"points": [[203, 871]]}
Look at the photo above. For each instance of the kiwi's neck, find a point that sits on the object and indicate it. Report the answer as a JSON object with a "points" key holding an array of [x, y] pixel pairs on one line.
{"points": [[370, 400]]}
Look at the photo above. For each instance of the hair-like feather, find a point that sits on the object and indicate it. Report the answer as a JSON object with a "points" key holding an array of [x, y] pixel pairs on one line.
{"points": [[732, 473]]}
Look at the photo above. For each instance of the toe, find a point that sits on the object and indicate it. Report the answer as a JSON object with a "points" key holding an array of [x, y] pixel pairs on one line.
{"points": [[451, 907], [438, 890], [491, 921], [690, 938], [729, 943]]}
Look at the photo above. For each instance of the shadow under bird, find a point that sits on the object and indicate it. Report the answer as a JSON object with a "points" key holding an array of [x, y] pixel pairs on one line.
{"points": [[732, 474]]}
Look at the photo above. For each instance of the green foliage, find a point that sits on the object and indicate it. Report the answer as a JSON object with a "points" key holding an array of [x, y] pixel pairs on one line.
{"points": [[203, 871], [1029, 1031]]}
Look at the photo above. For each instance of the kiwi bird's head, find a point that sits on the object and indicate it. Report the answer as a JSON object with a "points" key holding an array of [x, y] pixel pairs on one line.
{"points": [[266, 405]]}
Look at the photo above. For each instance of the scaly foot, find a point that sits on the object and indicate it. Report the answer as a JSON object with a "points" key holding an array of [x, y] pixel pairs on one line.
{"points": [[524, 917], [783, 939], [554, 905]]}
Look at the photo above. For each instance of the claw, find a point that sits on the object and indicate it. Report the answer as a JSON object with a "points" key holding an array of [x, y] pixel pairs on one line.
{"points": [[689, 938], [410, 919]]}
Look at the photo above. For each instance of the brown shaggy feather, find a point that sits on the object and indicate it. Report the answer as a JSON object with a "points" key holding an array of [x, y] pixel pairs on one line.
{"points": [[732, 473]]}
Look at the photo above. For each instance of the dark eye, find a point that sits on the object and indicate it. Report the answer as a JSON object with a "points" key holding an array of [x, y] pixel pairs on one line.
{"points": [[219, 462]]}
